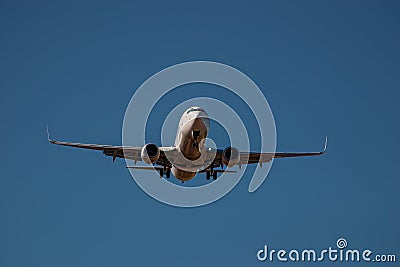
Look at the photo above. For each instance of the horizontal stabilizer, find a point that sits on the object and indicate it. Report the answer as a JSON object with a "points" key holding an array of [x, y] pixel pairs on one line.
{"points": [[145, 167]]}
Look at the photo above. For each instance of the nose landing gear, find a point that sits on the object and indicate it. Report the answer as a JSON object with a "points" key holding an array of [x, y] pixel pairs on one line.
{"points": [[196, 135]]}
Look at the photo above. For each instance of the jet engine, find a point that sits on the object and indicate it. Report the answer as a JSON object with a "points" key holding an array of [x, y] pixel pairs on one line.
{"points": [[230, 156], [150, 153]]}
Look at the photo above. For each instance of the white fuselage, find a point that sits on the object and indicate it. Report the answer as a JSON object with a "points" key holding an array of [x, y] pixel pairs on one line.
{"points": [[191, 134]]}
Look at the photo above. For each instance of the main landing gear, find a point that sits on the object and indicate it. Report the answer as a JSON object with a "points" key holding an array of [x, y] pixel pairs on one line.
{"points": [[196, 135], [212, 173], [166, 171]]}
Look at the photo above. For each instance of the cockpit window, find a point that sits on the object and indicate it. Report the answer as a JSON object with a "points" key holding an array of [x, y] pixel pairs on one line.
{"points": [[194, 109]]}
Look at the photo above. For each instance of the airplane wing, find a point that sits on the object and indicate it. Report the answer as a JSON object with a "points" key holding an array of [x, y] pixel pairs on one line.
{"points": [[128, 152], [114, 151], [261, 157]]}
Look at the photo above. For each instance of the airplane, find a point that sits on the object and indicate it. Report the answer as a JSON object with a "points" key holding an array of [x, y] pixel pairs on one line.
{"points": [[189, 155]]}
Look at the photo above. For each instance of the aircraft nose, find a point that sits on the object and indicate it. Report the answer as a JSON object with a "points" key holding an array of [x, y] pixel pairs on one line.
{"points": [[199, 124], [201, 119], [196, 128]]}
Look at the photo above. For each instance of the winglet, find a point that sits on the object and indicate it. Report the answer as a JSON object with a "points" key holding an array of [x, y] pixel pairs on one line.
{"points": [[48, 135], [326, 144]]}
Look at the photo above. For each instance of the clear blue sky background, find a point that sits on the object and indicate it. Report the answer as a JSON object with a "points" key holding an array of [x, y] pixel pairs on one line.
{"points": [[326, 67]]}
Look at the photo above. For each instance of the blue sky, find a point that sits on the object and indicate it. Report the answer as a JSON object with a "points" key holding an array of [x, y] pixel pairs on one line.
{"points": [[326, 68]]}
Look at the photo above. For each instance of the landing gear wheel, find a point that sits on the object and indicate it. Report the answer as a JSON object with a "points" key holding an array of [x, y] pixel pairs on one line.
{"points": [[208, 175], [215, 175], [161, 173], [168, 173]]}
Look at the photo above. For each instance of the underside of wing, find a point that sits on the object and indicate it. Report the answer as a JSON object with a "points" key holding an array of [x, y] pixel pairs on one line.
{"points": [[260, 157], [128, 152], [109, 150]]}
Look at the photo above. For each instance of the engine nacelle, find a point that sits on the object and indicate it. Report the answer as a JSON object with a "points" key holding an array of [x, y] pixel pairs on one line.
{"points": [[150, 153], [230, 156]]}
